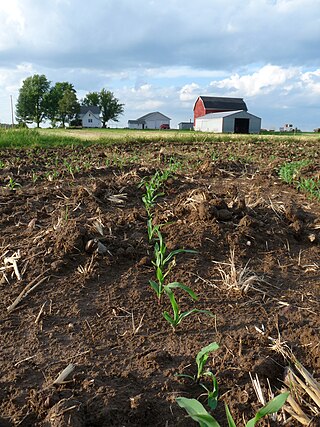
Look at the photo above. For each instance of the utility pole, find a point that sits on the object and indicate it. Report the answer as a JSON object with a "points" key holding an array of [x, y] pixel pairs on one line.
{"points": [[12, 117]]}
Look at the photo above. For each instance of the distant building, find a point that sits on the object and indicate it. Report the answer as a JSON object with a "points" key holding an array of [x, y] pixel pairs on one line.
{"points": [[229, 122], [153, 120], [90, 116], [185, 125], [216, 104]]}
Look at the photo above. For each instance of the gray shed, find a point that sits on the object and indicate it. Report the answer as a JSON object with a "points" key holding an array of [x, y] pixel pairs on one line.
{"points": [[185, 125], [239, 121]]}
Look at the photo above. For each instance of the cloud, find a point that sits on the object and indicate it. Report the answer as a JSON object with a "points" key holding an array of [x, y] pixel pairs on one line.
{"points": [[265, 80], [189, 92]]}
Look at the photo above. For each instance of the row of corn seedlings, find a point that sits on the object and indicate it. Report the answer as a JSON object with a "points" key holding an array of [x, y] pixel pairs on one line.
{"points": [[163, 260]]}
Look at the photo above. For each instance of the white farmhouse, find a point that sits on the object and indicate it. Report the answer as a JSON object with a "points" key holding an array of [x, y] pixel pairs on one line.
{"points": [[90, 116], [153, 120], [239, 121]]}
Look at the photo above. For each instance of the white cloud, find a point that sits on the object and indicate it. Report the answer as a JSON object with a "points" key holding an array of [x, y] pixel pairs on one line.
{"points": [[189, 92], [311, 81], [265, 80]]}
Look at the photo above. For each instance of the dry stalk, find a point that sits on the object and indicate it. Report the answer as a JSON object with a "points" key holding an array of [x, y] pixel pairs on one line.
{"points": [[87, 269], [240, 279], [303, 403], [11, 262], [64, 374], [26, 291]]}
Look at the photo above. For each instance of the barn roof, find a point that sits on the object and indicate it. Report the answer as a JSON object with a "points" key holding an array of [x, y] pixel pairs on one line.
{"points": [[223, 103], [223, 114], [147, 116]]}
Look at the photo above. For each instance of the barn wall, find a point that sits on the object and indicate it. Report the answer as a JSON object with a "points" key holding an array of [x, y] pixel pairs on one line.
{"points": [[155, 124], [209, 125], [254, 125], [254, 122], [199, 110]]}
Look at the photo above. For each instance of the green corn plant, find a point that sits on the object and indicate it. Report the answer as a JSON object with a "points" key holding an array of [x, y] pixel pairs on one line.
{"points": [[13, 184], [198, 413], [212, 394], [161, 260], [178, 316], [270, 408], [201, 359]]}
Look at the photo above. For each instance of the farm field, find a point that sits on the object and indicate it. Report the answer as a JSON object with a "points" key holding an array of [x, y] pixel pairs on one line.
{"points": [[77, 257]]}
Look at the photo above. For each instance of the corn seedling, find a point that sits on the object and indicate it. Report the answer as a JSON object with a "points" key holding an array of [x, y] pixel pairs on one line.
{"points": [[178, 316], [161, 260], [198, 413], [13, 184], [201, 360]]}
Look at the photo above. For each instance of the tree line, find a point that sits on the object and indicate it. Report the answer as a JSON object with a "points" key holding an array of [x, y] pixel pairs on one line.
{"points": [[38, 100]]}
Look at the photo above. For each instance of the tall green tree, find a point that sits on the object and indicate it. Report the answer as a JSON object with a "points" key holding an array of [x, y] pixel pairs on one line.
{"points": [[54, 96], [109, 105], [92, 98], [31, 105], [69, 106]]}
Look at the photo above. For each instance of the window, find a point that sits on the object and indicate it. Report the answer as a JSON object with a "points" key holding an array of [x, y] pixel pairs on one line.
{"points": [[89, 120]]}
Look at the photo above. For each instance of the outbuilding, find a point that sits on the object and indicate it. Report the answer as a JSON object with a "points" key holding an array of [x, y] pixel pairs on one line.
{"points": [[185, 125], [229, 122], [154, 120]]}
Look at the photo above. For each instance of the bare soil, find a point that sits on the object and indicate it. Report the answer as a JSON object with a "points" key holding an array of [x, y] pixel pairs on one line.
{"points": [[84, 233]]}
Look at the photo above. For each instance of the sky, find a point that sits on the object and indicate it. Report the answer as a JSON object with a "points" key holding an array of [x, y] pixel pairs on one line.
{"points": [[160, 55]]}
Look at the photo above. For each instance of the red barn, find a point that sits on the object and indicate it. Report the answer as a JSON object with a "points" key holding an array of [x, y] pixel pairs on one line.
{"points": [[214, 104]]}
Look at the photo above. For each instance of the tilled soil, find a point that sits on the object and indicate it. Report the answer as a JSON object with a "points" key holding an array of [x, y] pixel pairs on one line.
{"points": [[80, 238]]}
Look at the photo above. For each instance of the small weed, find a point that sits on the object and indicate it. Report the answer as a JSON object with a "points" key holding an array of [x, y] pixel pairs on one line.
{"points": [[289, 172]]}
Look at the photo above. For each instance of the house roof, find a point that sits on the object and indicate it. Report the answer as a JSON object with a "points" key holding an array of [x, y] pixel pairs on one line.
{"points": [[223, 103], [223, 114], [147, 116], [93, 108]]}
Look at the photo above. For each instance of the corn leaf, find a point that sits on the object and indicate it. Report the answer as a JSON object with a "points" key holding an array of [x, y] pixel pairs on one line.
{"points": [[203, 355], [173, 285], [231, 422], [176, 252], [197, 412], [270, 408]]}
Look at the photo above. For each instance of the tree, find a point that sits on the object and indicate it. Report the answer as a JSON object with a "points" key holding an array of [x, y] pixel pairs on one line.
{"points": [[54, 96], [68, 106], [109, 105], [92, 98], [31, 105]]}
